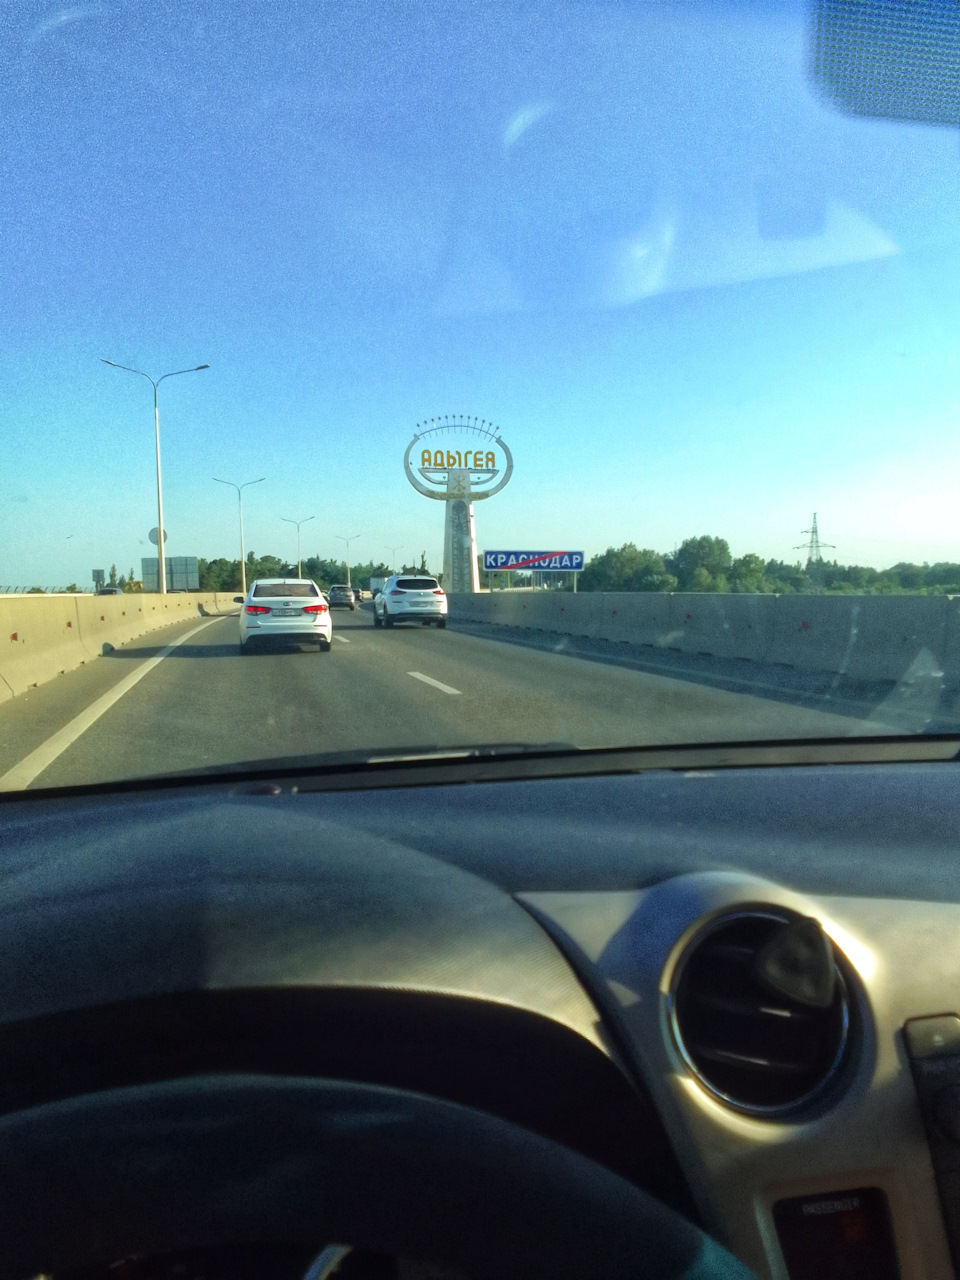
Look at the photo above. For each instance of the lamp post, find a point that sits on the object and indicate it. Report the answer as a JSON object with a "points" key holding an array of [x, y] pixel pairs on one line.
{"points": [[393, 555], [161, 562], [352, 538], [298, 523], [239, 488]]}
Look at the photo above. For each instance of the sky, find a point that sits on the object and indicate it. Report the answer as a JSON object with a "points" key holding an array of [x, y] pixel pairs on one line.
{"points": [[640, 238]]}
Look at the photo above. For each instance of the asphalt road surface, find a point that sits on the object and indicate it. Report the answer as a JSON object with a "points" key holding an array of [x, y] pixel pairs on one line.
{"points": [[183, 699]]}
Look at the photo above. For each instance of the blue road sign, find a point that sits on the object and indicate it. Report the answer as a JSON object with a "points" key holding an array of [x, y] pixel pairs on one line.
{"points": [[541, 561]]}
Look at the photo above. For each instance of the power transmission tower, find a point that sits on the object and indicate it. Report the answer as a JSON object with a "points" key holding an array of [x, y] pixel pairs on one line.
{"points": [[814, 547]]}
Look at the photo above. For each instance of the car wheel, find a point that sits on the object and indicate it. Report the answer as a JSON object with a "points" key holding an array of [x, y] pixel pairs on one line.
{"points": [[441, 622], [377, 620], [387, 620], [325, 646], [245, 649]]}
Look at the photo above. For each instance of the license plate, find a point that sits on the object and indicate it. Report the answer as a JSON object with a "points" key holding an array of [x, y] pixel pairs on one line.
{"points": [[286, 613]]}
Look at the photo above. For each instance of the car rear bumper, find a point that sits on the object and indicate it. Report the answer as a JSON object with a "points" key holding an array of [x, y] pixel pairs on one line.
{"points": [[281, 631], [404, 613]]}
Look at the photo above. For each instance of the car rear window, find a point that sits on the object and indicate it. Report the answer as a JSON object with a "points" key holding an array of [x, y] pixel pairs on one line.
{"points": [[417, 584], [276, 589]]}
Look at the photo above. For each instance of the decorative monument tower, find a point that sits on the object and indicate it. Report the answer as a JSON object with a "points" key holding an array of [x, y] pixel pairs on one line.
{"points": [[459, 461]]}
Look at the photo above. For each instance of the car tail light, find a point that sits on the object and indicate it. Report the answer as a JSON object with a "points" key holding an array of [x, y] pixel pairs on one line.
{"points": [[438, 592], [314, 608], [256, 608], [396, 592]]}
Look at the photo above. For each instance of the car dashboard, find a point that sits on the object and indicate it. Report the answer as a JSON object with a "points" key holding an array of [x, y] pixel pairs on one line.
{"points": [[574, 954]]}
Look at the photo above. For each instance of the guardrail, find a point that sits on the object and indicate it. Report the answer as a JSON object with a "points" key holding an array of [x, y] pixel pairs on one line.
{"points": [[870, 638], [42, 636]]}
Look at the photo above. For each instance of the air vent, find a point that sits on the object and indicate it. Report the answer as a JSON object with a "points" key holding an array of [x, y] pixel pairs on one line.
{"points": [[760, 1011]]}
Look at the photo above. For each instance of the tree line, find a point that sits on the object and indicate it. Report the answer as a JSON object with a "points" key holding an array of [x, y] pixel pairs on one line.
{"points": [[224, 575], [706, 564]]}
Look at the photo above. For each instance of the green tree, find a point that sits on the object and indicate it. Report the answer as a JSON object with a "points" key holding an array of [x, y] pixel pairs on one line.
{"points": [[627, 568], [323, 571], [746, 573], [113, 575], [268, 567], [219, 574], [420, 568], [944, 576], [698, 562], [912, 577]]}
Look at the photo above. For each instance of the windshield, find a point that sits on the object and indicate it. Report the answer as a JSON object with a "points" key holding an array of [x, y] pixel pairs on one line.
{"points": [[664, 291]]}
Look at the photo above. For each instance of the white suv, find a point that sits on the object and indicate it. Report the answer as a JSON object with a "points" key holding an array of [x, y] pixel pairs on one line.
{"points": [[410, 598]]}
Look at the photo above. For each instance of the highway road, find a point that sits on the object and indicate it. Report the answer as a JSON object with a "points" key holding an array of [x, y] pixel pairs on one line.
{"points": [[184, 699]]}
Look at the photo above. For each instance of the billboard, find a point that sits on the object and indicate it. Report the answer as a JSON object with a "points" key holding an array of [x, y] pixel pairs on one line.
{"points": [[182, 573]]}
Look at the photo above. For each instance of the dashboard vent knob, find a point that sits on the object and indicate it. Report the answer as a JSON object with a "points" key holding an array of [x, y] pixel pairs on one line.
{"points": [[798, 963], [759, 1011]]}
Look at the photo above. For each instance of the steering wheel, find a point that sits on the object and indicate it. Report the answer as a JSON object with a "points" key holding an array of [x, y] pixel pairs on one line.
{"points": [[215, 1160]]}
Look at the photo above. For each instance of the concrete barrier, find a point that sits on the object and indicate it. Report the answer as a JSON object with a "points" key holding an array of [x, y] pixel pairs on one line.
{"points": [[99, 623], [635, 617], [870, 638], [863, 637], [951, 643], [42, 636], [724, 626]]}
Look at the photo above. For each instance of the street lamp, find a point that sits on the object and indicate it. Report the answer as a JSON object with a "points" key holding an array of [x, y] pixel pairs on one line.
{"points": [[352, 538], [298, 523], [393, 555], [239, 488], [161, 562]]}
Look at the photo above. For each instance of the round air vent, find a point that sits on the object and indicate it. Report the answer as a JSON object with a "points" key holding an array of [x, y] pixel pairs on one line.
{"points": [[760, 1010]]}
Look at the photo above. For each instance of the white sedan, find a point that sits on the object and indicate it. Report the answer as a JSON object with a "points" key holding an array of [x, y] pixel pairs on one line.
{"points": [[284, 609]]}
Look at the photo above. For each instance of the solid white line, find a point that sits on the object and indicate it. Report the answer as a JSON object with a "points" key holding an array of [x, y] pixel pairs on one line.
{"points": [[418, 675], [342, 639], [31, 766]]}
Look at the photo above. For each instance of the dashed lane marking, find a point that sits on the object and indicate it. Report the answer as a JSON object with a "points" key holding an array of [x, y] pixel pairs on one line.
{"points": [[418, 675]]}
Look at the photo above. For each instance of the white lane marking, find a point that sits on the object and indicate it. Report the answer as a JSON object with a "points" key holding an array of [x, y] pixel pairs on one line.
{"points": [[418, 675], [342, 639], [31, 766]]}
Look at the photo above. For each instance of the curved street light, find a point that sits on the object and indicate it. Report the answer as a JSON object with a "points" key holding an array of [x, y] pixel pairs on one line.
{"points": [[393, 555], [353, 537], [298, 523], [239, 488], [161, 560]]}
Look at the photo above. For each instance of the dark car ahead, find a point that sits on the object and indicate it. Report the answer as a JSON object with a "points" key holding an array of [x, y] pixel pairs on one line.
{"points": [[340, 595]]}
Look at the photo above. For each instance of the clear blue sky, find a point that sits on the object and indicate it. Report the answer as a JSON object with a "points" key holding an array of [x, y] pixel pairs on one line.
{"points": [[694, 297]]}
